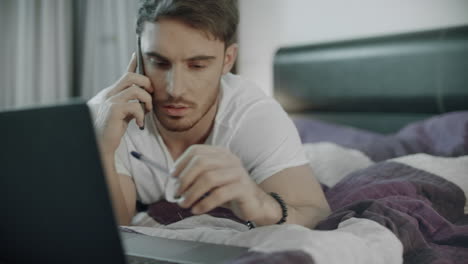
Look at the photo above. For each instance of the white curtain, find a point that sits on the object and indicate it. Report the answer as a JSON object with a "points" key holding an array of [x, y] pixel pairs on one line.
{"points": [[42, 61], [109, 40], [35, 52]]}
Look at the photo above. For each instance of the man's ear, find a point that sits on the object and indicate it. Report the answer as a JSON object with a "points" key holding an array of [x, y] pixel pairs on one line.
{"points": [[230, 56]]}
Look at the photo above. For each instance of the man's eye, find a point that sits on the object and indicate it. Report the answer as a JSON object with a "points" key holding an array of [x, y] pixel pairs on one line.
{"points": [[160, 64], [163, 64], [197, 66]]}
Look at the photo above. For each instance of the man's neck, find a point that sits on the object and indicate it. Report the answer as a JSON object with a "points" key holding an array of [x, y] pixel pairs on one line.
{"points": [[178, 142]]}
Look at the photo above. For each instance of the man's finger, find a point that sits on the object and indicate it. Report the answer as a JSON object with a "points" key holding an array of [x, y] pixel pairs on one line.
{"points": [[197, 165], [134, 111], [188, 154], [134, 93], [205, 183], [132, 64], [217, 197], [130, 79]]}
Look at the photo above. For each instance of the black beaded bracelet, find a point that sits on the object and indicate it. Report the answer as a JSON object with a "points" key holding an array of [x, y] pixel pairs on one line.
{"points": [[284, 211], [250, 224], [284, 208]]}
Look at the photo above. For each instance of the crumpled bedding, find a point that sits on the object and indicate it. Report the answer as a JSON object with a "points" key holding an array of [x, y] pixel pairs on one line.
{"points": [[405, 210], [374, 242]]}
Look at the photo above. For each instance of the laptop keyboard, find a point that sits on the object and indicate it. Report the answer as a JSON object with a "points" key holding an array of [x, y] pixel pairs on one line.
{"points": [[142, 260]]}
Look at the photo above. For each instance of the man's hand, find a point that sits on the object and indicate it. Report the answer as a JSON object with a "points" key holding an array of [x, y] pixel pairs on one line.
{"points": [[114, 107], [217, 172], [121, 105]]}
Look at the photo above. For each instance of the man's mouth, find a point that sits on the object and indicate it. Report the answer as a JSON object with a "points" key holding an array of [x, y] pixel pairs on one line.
{"points": [[175, 110], [175, 106]]}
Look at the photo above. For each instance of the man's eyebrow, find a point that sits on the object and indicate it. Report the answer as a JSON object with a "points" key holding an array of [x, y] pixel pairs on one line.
{"points": [[201, 57], [194, 58], [157, 55]]}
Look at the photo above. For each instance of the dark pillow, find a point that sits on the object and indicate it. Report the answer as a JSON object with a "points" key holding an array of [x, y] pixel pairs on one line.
{"points": [[372, 144], [442, 135]]}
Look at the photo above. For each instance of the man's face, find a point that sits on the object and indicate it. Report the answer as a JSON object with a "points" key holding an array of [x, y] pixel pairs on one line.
{"points": [[185, 66]]}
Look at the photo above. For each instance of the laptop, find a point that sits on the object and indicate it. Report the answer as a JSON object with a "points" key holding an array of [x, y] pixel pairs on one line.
{"points": [[54, 202]]}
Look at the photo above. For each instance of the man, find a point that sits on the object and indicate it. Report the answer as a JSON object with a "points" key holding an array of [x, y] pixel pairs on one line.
{"points": [[221, 135]]}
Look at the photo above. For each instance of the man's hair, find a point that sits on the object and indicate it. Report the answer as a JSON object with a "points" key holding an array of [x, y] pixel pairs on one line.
{"points": [[217, 17]]}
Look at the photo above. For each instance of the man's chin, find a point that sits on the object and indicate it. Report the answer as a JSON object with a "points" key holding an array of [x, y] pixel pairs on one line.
{"points": [[176, 123]]}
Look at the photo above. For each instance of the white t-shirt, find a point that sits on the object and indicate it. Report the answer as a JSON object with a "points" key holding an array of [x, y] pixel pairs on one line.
{"points": [[250, 124]]}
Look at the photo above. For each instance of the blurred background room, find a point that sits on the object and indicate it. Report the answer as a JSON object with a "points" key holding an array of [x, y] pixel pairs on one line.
{"points": [[54, 50]]}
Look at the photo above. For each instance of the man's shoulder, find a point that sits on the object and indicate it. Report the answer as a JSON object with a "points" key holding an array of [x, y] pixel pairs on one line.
{"points": [[240, 94], [242, 98], [238, 86]]}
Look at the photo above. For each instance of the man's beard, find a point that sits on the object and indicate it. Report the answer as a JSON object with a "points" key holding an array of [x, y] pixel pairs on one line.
{"points": [[182, 124]]}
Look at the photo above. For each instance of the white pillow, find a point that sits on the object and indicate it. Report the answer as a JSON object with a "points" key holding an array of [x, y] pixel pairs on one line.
{"points": [[454, 170], [331, 162]]}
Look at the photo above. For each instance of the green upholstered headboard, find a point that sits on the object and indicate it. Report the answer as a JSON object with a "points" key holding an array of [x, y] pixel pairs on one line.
{"points": [[379, 84]]}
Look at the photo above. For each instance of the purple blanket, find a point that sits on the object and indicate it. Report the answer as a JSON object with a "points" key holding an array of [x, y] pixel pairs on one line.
{"points": [[423, 210]]}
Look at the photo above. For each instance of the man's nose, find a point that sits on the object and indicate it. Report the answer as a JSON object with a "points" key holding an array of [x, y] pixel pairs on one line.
{"points": [[174, 82]]}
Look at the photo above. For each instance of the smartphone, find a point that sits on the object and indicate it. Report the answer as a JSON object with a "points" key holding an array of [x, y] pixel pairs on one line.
{"points": [[140, 69]]}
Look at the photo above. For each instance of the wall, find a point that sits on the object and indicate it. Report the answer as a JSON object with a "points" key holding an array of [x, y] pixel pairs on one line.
{"points": [[267, 25]]}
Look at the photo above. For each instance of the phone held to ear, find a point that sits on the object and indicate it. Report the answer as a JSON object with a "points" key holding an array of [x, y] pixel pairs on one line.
{"points": [[140, 69]]}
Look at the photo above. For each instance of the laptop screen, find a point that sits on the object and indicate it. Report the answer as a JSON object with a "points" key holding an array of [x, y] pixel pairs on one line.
{"points": [[55, 207]]}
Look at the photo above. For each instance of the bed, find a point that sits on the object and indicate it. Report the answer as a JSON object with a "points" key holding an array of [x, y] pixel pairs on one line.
{"points": [[401, 102], [384, 122]]}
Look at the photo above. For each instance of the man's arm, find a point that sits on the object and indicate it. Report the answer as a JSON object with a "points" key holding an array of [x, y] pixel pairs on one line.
{"points": [[207, 169], [302, 193], [116, 107], [122, 191]]}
